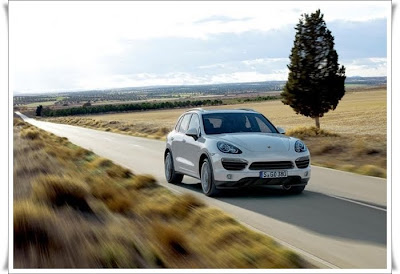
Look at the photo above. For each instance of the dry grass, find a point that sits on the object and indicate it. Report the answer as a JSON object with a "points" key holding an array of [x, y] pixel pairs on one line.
{"points": [[184, 205], [304, 132], [118, 172], [171, 239], [135, 128], [101, 163], [359, 120], [352, 116], [32, 226], [18, 122], [372, 170], [112, 196], [141, 182], [84, 211], [62, 191], [30, 134]]}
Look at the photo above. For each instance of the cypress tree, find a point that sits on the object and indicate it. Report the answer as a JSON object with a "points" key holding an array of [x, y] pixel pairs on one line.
{"points": [[316, 82]]}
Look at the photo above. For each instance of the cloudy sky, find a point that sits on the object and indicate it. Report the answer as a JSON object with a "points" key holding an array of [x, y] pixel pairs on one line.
{"points": [[89, 45]]}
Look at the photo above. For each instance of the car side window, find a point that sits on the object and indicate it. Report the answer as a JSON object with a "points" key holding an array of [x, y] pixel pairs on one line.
{"points": [[185, 123], [263, 127], [194, 122], [178, 124]]}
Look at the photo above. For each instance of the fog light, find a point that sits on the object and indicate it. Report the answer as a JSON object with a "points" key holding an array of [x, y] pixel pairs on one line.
{"points": [[229, 176], [306, 173]]}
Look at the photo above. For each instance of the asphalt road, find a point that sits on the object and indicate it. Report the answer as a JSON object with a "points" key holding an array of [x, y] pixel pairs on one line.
{"points": [[339, 221]]}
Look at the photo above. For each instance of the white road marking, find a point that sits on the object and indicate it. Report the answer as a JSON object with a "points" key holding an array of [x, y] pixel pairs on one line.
{"points": [[135, 145], [355, 202], [347, 172]]}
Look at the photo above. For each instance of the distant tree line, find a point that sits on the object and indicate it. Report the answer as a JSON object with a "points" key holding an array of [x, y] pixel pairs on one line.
{"points": [[261, 98], [127, 107]]}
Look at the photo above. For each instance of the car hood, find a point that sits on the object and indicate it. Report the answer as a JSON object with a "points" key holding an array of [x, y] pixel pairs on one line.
{"points": [[258, 142]]}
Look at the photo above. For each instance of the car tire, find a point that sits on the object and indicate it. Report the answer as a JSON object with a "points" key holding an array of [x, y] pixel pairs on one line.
{"points": [[170, 175], [294, 189], [207, 179]]}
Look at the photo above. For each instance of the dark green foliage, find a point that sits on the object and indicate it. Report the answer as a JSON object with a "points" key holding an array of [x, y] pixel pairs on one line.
{"points": [[128, 107], [87, 104], [260, 99], [316, 82], [39, 110]]}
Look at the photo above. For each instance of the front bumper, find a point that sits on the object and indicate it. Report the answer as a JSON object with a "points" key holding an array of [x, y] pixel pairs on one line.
{"points": [[224, 178]]}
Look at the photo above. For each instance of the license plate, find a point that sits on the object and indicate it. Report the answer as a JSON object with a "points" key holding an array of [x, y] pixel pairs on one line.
{"points": [[273, 174]]}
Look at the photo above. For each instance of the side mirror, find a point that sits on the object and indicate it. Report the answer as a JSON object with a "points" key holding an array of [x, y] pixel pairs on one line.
{"points": [[193, 132], [281, 130]]}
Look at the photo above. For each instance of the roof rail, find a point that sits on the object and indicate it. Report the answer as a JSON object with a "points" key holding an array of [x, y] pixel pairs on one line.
{"points": [[200, 109], [248, 109]]}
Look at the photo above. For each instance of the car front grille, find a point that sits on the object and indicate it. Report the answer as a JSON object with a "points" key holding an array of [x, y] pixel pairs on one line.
{"points": [[234, 164], [302, 162], [271, 165]]}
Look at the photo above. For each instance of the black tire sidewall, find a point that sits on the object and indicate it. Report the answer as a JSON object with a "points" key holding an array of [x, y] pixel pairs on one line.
{"points": [[211, 186], [169, 154]]}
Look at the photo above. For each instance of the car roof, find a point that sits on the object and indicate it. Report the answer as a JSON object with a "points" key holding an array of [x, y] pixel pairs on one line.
{"points": [[209, 111]]}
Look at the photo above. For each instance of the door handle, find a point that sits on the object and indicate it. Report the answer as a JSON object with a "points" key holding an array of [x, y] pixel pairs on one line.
{"points": [[184, 141], [172, 138]]}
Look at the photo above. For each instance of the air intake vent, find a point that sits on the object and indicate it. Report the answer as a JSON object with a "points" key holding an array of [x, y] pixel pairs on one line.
{"points": [[271, 165], [302, 162], [234, 164]]}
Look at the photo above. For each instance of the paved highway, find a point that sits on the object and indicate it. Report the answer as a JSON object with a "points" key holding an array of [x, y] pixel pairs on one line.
{"points": [[339, 221]]}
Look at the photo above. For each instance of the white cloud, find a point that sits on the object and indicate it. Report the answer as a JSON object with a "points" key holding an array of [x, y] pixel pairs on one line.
{"points": [[247, 76], [264, 61], [180, 78], [49, 38], [366, 67], [243, 72]]}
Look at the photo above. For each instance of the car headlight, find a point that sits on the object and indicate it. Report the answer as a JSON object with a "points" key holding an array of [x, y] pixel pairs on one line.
{"points": [[299, 146], [228, 148]]}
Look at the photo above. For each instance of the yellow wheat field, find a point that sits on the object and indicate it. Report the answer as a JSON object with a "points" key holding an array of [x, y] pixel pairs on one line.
{"points": [[358, 113]]}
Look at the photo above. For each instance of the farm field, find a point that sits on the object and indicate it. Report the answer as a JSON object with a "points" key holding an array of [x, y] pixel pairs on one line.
{"points": [[358, 113], [354, 138]]}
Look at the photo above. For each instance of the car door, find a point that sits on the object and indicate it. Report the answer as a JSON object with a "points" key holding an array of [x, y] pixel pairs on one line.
{"points": [[177, 145], [191, 148]]}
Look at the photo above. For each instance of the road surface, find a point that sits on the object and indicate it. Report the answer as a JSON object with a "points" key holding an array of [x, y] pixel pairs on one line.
{"points": [[339, 221]]}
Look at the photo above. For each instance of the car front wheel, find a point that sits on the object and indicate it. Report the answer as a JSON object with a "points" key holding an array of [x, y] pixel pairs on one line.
{"points": [[207, 179], [170, 174]]}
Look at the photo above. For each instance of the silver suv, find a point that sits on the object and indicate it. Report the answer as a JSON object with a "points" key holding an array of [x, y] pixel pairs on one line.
{"points": [[234, 148]]}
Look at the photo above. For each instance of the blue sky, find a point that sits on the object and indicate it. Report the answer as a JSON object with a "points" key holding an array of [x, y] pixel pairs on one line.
{"points": [[88, 45]]}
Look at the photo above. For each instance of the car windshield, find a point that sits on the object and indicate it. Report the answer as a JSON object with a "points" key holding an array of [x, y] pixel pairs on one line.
{"points": [[218, 123]]}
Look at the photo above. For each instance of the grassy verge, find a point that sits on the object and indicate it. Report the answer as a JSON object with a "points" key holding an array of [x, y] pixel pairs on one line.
{"points": [[74, 209], [139, 129], [359, 155]]}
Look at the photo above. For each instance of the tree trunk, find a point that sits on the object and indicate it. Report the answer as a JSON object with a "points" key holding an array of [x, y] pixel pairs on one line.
{"points": [[317, 122]]}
